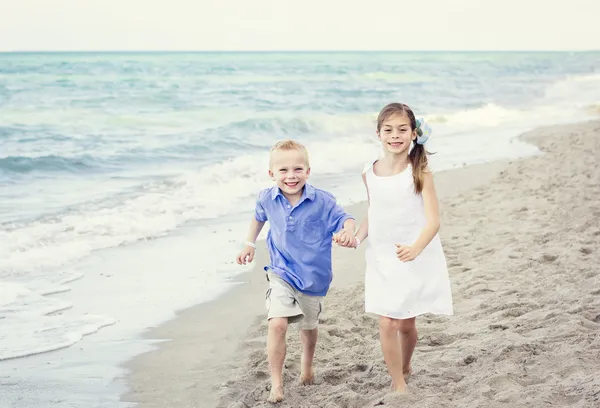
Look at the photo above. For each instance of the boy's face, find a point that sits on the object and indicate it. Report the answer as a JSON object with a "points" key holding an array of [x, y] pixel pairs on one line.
{"points": [[396, 134], [289, 171]]}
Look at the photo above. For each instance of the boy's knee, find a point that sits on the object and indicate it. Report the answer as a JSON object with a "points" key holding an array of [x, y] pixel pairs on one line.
{"points": [[278, 325]]}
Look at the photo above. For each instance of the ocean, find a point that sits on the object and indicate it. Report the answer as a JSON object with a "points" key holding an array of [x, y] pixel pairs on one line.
{"points": [[101, 153]]}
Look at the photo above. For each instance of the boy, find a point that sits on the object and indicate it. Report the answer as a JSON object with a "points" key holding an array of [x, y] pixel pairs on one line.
{"points": [[302, 222]]}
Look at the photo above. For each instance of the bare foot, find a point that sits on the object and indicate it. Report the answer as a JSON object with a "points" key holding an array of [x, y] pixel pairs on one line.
{"points": [[401, 388], [407, 374], [276, 395], [307, 378]]}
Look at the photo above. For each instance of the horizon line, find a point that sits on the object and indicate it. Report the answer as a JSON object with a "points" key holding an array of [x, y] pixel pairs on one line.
{"points": [[134, 51]]}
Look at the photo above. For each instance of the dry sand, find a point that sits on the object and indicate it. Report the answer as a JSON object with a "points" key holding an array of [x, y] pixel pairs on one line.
{"points": [[522, 241]]}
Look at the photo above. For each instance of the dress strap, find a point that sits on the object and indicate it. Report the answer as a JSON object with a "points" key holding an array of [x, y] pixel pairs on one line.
{"points": [[368, 166]]}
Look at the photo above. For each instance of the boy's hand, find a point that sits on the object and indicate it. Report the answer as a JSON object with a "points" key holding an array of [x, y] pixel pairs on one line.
{"points": [[406, 253], [246, 256], [345, 238]]}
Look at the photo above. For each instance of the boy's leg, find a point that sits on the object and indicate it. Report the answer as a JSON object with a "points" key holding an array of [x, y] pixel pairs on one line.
{"points": [[282, 309], [389, 336], [311, 307], [309, 343], [276, 347]]}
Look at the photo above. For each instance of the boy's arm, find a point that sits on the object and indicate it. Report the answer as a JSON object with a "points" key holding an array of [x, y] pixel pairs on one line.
{"points": [[256, 225], [247, 253], [349, 226], [255, 228], [342, 225]]}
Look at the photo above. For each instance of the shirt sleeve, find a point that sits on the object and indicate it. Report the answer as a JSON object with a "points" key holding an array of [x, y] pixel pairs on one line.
{"points": [[337, 217], [259, 211]]}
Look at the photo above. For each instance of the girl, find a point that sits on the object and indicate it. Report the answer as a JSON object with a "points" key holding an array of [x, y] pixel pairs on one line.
{"points": [[406, 272]]}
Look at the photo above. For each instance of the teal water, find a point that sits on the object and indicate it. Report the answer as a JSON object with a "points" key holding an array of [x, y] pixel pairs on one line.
{"points": [[104, 150]]}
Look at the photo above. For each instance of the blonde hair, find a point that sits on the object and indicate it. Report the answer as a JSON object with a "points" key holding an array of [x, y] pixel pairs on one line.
{"points": [[288, 145]]}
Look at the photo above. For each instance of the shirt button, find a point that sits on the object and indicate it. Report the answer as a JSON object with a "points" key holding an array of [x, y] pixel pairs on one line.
{"points": [[289, 206], [290, 218]]}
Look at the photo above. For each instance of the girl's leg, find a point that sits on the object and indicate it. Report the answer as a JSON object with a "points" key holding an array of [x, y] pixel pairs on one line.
{"points": [[389, 336], [408, 341]]}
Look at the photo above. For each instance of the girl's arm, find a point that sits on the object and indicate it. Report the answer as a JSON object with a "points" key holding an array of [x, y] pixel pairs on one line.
{"points": [[432, 222], [363, 230]]}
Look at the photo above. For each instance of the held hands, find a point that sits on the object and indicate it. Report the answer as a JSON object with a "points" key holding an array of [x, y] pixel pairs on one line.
{"points": [[246, 256], [406, 253], [345, 238]]}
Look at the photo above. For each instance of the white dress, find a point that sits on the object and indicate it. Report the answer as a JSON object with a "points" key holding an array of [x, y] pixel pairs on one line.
{"points": [[393, 288]]}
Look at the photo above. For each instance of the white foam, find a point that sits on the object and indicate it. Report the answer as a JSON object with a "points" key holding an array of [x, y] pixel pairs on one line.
{"points": [[33, 323]]}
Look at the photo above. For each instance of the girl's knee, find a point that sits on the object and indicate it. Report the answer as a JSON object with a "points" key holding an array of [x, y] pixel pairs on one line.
{"points": [[404, 326], [278, 325], [407, 326], [387, 324]]}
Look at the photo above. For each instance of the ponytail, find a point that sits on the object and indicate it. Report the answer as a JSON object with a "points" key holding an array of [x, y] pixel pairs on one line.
{"points": [[418, 161]]}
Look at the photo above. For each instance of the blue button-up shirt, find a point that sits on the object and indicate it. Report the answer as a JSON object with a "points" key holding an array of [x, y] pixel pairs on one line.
{"points": [[300, 236]]}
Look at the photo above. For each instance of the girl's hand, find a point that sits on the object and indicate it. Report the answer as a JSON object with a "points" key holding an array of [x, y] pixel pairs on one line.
{"points": [[406, 253], [344, 238]]}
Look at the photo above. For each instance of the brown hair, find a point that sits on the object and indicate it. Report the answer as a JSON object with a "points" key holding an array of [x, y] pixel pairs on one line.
{"points": [[287, 145], [418, 154]]}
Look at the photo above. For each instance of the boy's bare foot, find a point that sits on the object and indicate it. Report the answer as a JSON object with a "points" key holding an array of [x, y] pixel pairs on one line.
{"points": [[307, 378], [276, 395]]}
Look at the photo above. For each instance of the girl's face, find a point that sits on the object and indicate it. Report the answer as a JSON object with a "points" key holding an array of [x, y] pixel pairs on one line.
{"points": [[396, 134]]}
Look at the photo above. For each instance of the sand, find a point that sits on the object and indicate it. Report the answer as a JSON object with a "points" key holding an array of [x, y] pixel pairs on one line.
{"points": [[522, 240]]}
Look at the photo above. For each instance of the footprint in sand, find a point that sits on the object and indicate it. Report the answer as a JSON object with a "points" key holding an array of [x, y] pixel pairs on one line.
{"points": [[442, 339], [548, 258], [336, 332], [261, 375], [334, 376]]}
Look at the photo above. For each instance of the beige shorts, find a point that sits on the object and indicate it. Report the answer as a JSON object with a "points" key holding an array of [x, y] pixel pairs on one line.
{"points": [[283, 300]]}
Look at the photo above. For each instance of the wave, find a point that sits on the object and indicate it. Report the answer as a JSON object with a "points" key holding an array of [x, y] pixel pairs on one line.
{"points": [[578, 92], [154, 208], [35, 323], [486, 115], [212, 141], [20, 164]]}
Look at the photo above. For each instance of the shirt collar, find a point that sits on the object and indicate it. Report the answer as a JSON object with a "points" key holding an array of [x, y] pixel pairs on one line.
{"points": [[307, 193]]}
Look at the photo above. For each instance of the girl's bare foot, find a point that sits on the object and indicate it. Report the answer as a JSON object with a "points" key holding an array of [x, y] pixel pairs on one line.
{"points": [[276, 395], [407, 374], [307, 378], [401, 388]]}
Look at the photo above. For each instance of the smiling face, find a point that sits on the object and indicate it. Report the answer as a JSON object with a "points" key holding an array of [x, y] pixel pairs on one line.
{"points": [[396, 134], [289, 169]]}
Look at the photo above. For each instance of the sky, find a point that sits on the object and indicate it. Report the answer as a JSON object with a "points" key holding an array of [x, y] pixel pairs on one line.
{"points": [[253, 25]]}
